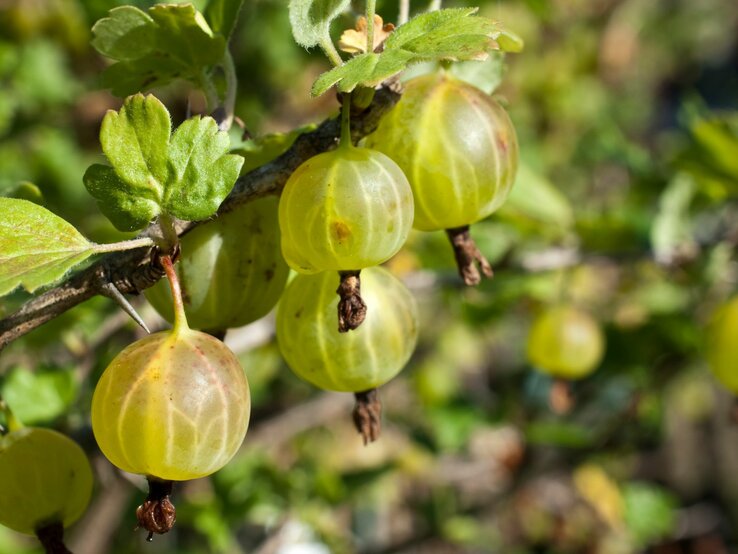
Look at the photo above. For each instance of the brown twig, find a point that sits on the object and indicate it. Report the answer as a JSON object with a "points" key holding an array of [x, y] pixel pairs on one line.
{"points": [[132, 271]]}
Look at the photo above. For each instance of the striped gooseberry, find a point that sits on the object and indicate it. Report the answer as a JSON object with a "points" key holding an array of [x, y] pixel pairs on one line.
{"points": [[459, 151], [566, 343], [230, 269], [343, 210], [45, 481], [348, 362], [173, 406]]}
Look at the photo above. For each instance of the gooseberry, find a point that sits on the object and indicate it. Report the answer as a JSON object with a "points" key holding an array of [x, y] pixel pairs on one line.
{"points": [[459, 151], [230, 270], [358, 361], [345, 209], [566, 342], [45, 479], [174, 405], [457, 147]]}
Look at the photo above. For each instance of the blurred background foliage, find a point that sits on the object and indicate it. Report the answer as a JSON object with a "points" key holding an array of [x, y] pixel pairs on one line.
{"points": [[624, 205]]}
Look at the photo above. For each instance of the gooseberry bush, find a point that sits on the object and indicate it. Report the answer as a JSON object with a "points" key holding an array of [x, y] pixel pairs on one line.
{"points": [[175, 405], [191, 307]]}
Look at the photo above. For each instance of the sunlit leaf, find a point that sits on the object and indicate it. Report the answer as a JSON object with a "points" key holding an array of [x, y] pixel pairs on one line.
{"points": [[36, 246], [187, 176], [311, 19]]}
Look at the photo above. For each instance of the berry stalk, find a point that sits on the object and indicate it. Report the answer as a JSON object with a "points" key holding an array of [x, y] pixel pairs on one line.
{"points": [[51, 538], [468, 256], [180, 319]]}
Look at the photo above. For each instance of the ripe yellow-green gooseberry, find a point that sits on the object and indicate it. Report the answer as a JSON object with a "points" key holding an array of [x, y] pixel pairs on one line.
{"points": [[457, 147], [230, 270], [459, 151], [343, 210], [45, 480], [722, 345], [566, 343], [174, 405], [347, 362]]}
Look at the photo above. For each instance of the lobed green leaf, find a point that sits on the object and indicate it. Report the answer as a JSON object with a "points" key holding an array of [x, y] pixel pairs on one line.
{"points": [[202, 173], [170, 41], [311, 19], [453, 34], [36, 246], [187, 175]]}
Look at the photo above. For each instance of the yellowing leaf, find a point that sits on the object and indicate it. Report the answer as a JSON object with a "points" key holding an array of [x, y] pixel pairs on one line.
{"points": [[602, 493]]}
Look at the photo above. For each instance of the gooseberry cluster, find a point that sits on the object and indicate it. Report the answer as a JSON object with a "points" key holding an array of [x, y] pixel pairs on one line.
{"points": [[175, 405]]}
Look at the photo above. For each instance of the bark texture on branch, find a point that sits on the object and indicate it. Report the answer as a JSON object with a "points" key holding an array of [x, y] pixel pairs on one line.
{"points": [[135, 270]]}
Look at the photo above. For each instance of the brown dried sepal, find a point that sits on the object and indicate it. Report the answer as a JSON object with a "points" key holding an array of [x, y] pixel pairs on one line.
{"points": [[368, 415], [354, 41], [51, 538], [469, 259], [157, 514], [351, 307]]}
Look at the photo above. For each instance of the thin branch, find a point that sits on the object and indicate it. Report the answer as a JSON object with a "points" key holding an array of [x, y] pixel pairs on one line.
{"points": [[404, 14], [132, 271]]}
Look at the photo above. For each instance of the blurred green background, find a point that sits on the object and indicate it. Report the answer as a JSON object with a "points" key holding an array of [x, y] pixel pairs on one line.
{"points": [[625, 205]]}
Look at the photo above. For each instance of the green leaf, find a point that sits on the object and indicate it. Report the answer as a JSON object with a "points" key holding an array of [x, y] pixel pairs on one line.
{"points": [[425, 23], [367, 70], [311, 19], [118, 200], [41, 396], [36, 246], [126, 34], [170, 41], [535, 197], [452, 34], [202, 171], [671, 232], [135, 142], [187, 177], [223, 15]]}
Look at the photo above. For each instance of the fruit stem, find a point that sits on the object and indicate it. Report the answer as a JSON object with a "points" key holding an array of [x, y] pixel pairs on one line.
{"points": [[52, 538], [351, 306], [12, 422], [180, 319], [371, 7], [157, 514], [169, 239], [346, 121], [368, 415], [468, 256]]}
